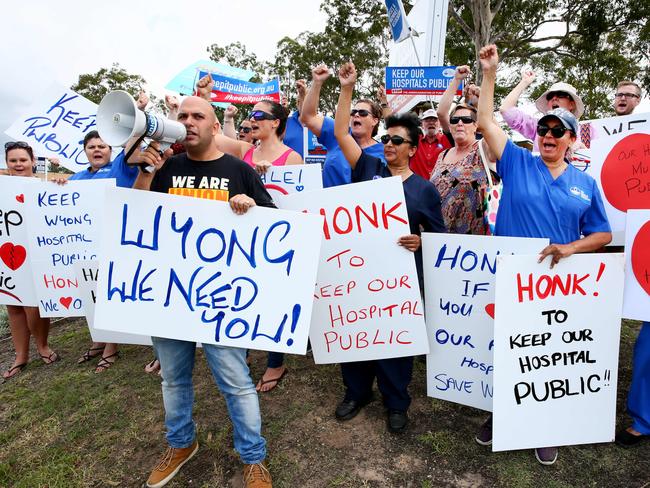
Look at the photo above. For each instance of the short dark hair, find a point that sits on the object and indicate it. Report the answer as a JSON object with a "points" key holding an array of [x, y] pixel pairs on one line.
{"points": [[280, 113], [463, 106], [408, 121], [375, 110], [93, 134], [10, 146]]}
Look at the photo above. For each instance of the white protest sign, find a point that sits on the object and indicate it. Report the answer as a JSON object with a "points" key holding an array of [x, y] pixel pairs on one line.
{"points": [[636, 301], [191, 269], [556, 338], [64, 227], [459, 280], [295, 178], [621, 167], [620, 124], [16, 284], [86, 272], [55, 125], [367, 300]]}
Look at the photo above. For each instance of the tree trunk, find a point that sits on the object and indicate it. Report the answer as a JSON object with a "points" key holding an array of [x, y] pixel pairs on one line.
{"points": [[482, 15]]}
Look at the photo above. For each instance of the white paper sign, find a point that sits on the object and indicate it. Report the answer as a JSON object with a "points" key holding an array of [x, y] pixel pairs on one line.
{"points": [[621, 167], [55, 125], [86, 272], [620, 124], [636, 301], [191, 269], [459, 280], [556, 341], [64, 227], [16, 284], [367, 299], [295, 178]]}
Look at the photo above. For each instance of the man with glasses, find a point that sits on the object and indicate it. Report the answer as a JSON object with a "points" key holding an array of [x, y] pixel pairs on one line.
{"points": [[627, 97]]}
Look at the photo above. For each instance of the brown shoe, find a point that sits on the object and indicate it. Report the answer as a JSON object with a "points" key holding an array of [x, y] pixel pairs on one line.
{"points": [[257, 476], [170, 463]]}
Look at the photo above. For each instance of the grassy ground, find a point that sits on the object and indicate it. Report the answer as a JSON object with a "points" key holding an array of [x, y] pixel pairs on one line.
{"points": [[4, 324], [64, 426]]}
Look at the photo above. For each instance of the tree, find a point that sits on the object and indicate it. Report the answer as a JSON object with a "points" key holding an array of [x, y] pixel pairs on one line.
{"points": [[94, 86]]}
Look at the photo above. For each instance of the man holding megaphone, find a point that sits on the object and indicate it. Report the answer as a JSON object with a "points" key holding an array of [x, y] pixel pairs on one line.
{"points": [[206, 172]]}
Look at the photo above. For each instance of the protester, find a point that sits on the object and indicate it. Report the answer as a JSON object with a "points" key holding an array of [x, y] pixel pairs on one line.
{"points": [[470, 97], [430, 145], [627, 97], [423, 208], [25, 322], [203, 159], [363, 124], [294, 135], [539, 193]]}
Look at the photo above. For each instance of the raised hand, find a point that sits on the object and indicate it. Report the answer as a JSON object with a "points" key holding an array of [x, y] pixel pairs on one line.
{"points": [[348, 74], [462, 72], [172, 103], [527, 77], [489, 58], [204, 87], [143, 100], [230, 112], [320, 73], [301, 88]]}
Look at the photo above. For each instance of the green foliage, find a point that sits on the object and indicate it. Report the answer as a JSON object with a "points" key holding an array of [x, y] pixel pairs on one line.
{"points": [[94, 86]]}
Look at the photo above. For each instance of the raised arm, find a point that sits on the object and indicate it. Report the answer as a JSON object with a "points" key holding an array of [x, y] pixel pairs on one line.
{"points": [[383, 102], [309, 115], [229, 122], [494, 135], [444, 107], [527, 77], [301, 92], [172, 104], [349, 147]]}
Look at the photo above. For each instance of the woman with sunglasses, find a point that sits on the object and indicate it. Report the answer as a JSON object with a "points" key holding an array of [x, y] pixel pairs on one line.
{"points": [[364, 124], [25, 322], [539, 193], [423, 208]]}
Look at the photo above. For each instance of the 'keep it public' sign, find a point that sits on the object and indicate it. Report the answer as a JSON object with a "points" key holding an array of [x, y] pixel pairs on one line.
{"points": [[423, 80]]}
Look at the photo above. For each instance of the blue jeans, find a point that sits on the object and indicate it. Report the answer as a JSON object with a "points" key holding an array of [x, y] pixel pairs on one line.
{"points": [[228, 366]]}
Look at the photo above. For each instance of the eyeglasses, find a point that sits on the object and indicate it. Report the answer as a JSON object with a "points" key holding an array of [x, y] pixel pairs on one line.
{"points": [[258, 115], [465, 119], [557, 132], [396, 140], [558, 94], [16, 145], [627, 95], [245, 130], [361, 112]]}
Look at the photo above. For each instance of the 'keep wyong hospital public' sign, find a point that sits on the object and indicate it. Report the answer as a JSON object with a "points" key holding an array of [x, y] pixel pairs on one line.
{"points": [[191, 269]]}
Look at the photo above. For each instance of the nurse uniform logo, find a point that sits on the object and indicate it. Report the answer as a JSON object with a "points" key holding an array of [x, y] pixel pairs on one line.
{"points": [[377, 177], [580, 193], [448, 73]]}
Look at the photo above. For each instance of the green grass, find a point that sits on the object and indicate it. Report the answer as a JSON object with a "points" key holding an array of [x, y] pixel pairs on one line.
{"points": [[4, 321]]}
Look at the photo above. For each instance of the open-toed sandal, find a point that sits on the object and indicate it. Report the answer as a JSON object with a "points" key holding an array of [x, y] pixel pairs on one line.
{"points": [[51, 358], [13, 371], [91, 352], [104, 362]]}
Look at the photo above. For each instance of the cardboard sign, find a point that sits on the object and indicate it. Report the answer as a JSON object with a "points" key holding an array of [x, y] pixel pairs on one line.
{"points": [[556, 339], [620, 124], [16, 284], [367, 300], [64, 227], [295, 178], [425, 80], [86, 273], [459, 281], [191, 269], [636, 301], [233, 90], [621, 167], [55, 125]]}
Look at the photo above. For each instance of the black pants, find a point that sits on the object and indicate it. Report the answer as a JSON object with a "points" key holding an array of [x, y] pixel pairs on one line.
{"points": [[393, 378]]}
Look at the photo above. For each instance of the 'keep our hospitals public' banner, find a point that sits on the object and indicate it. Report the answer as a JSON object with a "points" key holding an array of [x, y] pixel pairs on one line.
{"points": [[232, 90], [424, 80]]}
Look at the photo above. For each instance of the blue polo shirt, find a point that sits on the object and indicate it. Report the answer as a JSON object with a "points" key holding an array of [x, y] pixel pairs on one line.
{"points": [[124, 174], [293, 134], [533, 204], [336, 170]]}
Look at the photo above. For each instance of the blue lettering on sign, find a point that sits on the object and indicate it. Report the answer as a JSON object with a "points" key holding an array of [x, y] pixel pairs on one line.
{"points": [[137, 285], [486, 389], [444, 337], [468, 261], [445, 382]]}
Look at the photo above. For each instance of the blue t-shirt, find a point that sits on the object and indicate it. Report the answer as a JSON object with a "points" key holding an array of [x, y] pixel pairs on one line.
{"points": [[336, 170], [124, 174], [533, 204], [421, 197], [293, 135]]}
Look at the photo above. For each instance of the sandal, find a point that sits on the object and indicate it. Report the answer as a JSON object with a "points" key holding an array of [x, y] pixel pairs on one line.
{"points": [[153, 366], [91, 352], [104, 362], [52, 358], [277, 380], [7, 375]]}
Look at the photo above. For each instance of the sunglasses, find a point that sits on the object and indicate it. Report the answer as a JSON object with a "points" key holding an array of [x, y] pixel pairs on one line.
{"points": [[258, 115], [16, 145], [396, 140], [360, 112], [245, 130], [465, 119], [558, 94], [557, 132]]}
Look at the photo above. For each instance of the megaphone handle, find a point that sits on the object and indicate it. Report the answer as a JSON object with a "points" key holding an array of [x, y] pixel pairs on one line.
{"points": [[146, 168]]}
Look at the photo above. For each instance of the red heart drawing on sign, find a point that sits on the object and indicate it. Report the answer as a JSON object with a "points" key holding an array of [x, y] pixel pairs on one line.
{"points": [[21, 198], [489, 308], [625, 183], [12, 256], [641, 257], [65, 301]]}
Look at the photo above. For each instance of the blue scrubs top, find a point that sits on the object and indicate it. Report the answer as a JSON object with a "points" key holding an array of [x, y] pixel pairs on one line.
{"points": [[124, 174], [293, 135]]}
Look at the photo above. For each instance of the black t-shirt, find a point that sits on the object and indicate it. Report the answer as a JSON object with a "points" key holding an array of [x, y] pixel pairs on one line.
{"points": [[219, 179]]}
